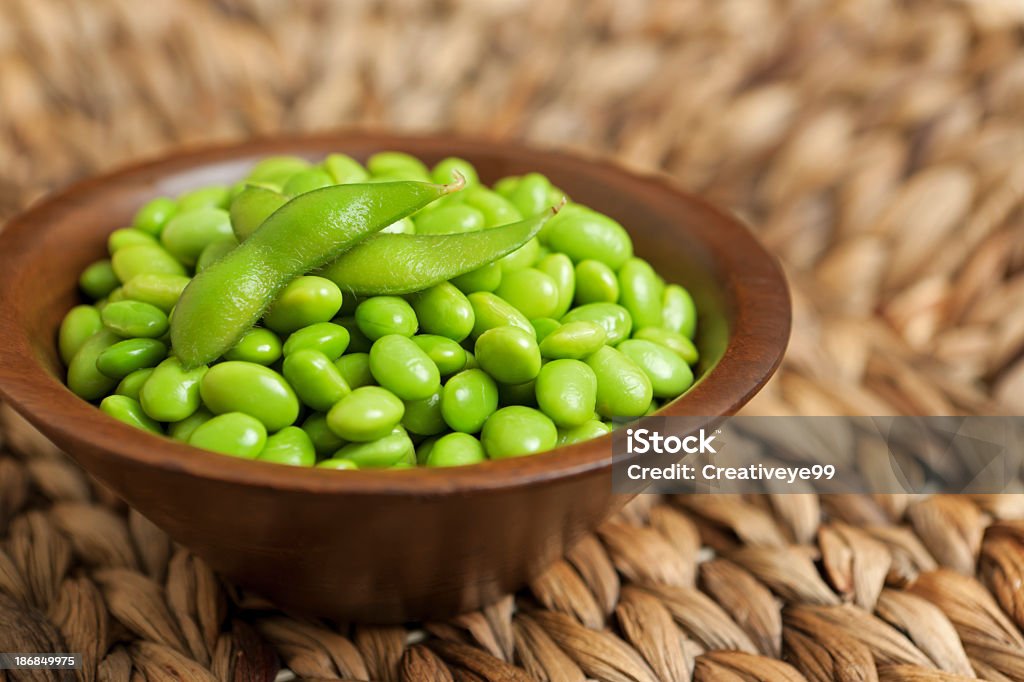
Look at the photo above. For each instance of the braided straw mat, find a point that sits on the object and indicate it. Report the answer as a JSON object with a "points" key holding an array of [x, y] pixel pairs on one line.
{"points": [[876, 145]]}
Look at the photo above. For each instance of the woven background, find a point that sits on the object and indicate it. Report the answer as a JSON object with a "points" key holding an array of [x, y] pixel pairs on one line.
{"points": [[876, 145]]}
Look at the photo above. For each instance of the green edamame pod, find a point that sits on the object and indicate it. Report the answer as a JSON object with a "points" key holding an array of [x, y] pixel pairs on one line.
{"points": [[128, 410], [227, 298], [78, 326], [171, 393], [642, 292], [623, 389], [292, 446], [252, 207], [419, 261], [679, 313], [84, 379]]}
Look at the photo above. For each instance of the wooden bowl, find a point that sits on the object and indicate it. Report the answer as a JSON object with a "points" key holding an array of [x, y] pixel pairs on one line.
{"points": [[379, 546]]}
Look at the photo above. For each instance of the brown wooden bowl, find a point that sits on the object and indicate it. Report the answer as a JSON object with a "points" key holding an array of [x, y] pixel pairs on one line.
{"points": [[382, 546]]}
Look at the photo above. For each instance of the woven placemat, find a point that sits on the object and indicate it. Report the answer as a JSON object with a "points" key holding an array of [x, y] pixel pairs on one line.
{"points": [[877, 146]]}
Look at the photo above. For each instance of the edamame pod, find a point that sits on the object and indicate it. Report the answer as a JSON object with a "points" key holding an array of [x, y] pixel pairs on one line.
{"points": [[227, 298], [418, 261]]}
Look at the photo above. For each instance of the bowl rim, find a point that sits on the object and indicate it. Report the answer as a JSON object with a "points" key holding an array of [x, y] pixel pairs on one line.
{"points": [[757, 342]]}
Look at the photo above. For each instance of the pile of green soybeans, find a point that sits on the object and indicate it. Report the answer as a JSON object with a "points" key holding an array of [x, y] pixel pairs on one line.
{"points": [[385, 315]]}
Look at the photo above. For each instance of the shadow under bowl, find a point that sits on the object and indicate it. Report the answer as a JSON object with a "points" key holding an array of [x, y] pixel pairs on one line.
{"points": [[378, 546]]}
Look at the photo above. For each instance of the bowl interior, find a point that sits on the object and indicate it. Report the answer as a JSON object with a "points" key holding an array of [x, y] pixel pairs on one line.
{"points": [[739, 290]]}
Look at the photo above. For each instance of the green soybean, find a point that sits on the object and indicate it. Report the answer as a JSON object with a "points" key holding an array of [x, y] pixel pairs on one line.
{"points": [[508, 354], [515, 431], [490, 311], [385, 315], [98, 280], [398, 164], [544, 327], [306, 181], [325, 441], [172, 392], [255, 390], [135, 319], [131, 385], [623, 389], [338, 464], [251, 208], [559, 268], [84, 379], [455, 449], [160, 290], [523, 257], [595, 283], [124, 357], [573, 340], [677, 343], [588, 430], [315, 379], [445, 170], [232, 433], [423, 417], [585, 234], [669, 373], [641, 292], [468, 399], [615, 319], [152, 217], [518, 394], [531, 292], [189, 232], [257, 345], [496, 209], [388, 451], [214, 251], [129, 236], [454, 219], [358, 343], [567, 392], [129, 411], [292, 446], [227, 298], [355, 368], [418, 261], [328, 338], [306, 300], [443, 310], [144, 260], [77, 327], [448, 355], [530, 195], [402, 367], [366, 414], [485, 278], [344, 169], [211, 196], [183, 430], [679, 313], [275, 170]]}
